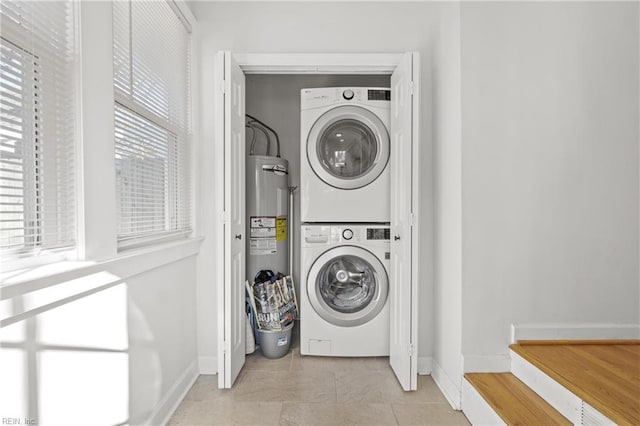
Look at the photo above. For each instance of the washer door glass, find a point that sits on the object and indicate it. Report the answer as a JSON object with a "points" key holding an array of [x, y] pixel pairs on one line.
{"points": [[347, 283], [348, 147], [347, 286]]}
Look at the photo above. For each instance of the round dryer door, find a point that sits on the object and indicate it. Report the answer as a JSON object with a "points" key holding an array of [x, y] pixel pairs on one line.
{"points": [[348, 147], [347, 286]]}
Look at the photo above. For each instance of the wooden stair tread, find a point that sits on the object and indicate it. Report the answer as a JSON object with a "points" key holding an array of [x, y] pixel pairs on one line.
{"points": [[605, 376], [514, 401], [631, 342]]}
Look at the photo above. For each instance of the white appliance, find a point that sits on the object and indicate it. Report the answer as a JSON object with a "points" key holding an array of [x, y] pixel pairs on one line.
{"points": [[344, 308], [344, 150]]}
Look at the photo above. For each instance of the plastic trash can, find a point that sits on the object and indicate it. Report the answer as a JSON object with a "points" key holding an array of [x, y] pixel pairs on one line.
{"points": [[275, 343]]}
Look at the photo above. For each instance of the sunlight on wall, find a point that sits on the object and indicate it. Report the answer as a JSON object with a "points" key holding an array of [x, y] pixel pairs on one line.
{"points": [[83, 387], [13, 391], [103, 321], [94, 373], [54, 294], [145, 361], [14, 397], [70, 364]]}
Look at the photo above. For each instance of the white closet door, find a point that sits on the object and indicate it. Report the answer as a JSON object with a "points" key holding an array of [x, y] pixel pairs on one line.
{"points": [[232, 354], [403, 289]]}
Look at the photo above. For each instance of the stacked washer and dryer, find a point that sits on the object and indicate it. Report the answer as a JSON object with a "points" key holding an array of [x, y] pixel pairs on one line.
{"points": [[345, 214]]}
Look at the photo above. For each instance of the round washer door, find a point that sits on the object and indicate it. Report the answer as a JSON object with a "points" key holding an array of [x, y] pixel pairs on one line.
{"points": [[348, 147], [347, 286]]}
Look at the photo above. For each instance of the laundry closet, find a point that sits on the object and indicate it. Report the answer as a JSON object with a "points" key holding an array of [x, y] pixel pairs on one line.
{"points": [[275, 100], [345, 141], [341, 237]]}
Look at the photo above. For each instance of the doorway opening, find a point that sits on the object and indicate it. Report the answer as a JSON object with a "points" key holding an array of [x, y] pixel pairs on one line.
{"points": [[232, 71]]}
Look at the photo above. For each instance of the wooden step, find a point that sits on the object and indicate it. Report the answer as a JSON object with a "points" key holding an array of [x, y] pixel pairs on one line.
{"points": [[513, 401], [603, 374]]}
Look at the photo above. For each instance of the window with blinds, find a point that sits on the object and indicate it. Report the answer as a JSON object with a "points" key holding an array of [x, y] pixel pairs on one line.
{"points": [[152, 121], [37, 128]]}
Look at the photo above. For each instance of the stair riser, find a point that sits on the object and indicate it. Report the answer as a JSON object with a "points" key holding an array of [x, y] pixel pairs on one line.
{"points": [[476, 409], [551, 391], [592, 417]]}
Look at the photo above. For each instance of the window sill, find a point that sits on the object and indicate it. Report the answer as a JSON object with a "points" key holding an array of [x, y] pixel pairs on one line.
{"points": [[122, 266]]}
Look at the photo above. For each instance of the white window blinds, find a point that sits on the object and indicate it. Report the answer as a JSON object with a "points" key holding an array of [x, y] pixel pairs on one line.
{"points": [[38, 127], [152, 121]]}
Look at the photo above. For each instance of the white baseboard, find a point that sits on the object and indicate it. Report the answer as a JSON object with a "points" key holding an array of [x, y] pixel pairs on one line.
{"points": [[551, 391], [574, 332], [448, 387], [165, 408], [208, 365], [424, 365], [476, 408], [486, 363]]}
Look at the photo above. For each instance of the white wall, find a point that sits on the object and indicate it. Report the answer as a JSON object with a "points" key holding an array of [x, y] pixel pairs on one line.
{"points": [[323, 27], [162, 340], [114, 342], [447, 153], [549, 168]]}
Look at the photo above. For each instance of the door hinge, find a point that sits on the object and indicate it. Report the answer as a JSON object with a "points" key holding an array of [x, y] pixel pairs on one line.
{"points": [[223, 87], [412, 87], [412, 349], [224, 217], [412, 219]]}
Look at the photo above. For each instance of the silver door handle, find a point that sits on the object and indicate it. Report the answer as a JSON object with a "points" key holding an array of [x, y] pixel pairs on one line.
{"points": [[239, 237], [396, 237]]}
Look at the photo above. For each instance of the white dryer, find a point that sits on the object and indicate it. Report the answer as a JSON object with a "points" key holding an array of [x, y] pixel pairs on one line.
{"points": [[345, 148], [344, 308]]}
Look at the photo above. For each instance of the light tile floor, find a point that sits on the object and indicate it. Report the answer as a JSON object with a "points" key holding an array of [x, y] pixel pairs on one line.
{"points": [[305, 390]]}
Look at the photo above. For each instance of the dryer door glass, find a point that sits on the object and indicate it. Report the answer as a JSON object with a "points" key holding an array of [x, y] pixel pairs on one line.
{"points": [[347, 149], [347, 284]]}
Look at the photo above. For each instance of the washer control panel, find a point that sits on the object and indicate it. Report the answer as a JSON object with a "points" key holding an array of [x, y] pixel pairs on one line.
{"points": [[313, 235], [316, 234], [378, 95], [346, 233], [378, 234], [348, 94]]}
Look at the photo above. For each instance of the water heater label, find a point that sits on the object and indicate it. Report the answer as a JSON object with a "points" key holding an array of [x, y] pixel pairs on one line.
{"points": [[262, 227], [281, 229], [258, 246]]}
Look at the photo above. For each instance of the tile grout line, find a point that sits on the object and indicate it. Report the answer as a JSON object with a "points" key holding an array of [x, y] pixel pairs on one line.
{"points": [[395, 416], [293, 353], [281, 412]]}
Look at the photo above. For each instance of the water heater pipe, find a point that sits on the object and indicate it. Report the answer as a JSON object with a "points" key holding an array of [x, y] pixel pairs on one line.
{"points": [[255, 120]]}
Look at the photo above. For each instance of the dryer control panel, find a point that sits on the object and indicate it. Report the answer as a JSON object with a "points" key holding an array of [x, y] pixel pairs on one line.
{"points": [[375, 97]]}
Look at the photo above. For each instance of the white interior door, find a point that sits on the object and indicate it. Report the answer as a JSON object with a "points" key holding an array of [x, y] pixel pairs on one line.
{"points": [[403, 287], [232, 353]]}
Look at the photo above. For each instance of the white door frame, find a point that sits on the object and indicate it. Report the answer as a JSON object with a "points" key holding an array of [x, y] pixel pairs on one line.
{"points": [[326, 63], [330, 63]]}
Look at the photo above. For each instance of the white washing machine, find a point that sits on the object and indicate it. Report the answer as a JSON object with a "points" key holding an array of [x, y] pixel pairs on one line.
{"points": [[344, 150], [344, 308]]}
